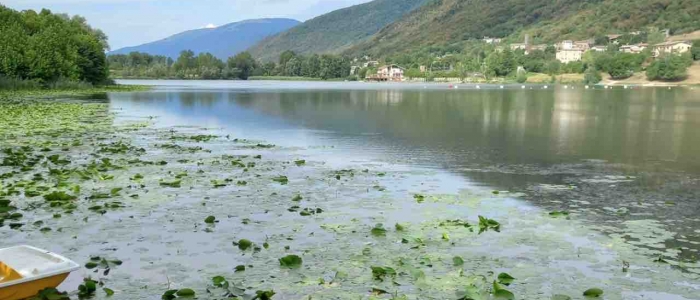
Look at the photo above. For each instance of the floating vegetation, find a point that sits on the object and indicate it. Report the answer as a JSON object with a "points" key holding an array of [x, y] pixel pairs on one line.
{"points": [[75, 179]]}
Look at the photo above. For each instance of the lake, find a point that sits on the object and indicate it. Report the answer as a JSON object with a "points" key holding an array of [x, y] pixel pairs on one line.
{"points": [[586, 187]]}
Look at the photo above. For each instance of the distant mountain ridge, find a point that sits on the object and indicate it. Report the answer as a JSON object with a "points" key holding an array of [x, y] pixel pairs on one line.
{"points": [[335, 31], [223, 41]]}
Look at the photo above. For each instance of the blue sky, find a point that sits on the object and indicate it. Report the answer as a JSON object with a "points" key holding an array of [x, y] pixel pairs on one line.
{"points": [[134, 22]]}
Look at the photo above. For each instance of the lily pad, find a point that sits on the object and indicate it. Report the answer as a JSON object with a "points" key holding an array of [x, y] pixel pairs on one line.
{"points": [[291, 261]]}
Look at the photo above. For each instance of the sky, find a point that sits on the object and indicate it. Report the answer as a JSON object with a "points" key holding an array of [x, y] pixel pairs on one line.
{"points": [[134, 22]]}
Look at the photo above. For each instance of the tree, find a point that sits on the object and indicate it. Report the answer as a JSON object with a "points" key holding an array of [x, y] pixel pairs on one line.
{"points": [[293, 67], [655, 36], [695, 51], [243, 63], [669, 68], [591, 76], [185, 63], [285, 57]]}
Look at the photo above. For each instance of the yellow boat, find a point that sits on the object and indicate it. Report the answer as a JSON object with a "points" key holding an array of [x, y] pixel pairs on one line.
{"points": [[25, 270]]}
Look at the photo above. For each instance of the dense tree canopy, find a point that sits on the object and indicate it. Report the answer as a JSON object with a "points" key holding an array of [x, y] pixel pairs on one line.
{"points": [[241, 66], [669, 67], [49, 47]]}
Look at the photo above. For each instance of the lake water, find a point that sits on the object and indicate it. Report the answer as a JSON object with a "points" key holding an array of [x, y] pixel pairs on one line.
{"points": [[616, 157], [592, 187]]}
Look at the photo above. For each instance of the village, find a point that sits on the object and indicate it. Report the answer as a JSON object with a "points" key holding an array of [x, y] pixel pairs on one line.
{"points": [[566, 52]]}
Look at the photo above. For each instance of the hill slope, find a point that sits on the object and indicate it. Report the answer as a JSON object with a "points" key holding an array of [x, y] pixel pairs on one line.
{"points": [[443, 22], [337, 30], [222, 42]]}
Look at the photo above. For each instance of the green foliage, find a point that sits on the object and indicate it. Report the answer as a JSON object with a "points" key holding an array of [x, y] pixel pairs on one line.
{"points": [[451, 23], [695, 51], [48, 47], [619, 65], [669, 67], [592, 76], [335, 31], [291, 261], [242, 65]]}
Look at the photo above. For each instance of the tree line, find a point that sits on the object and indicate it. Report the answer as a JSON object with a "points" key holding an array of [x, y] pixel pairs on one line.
{"points": [[47, 48], [241, 66], [476, 58]]}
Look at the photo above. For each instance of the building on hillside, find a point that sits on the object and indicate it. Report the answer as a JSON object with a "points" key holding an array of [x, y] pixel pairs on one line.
{"points": [[570, 51], [354, 69], [388, 73], [371, 63], [599, 48], [612, 38], [490, 40], [634, 49], [677, 47], [584, 45], [569, 55], [423, 69]]}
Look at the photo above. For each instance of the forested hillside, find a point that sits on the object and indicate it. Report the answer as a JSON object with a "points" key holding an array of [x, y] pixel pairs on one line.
{"points": [[445, 22], [47, 47], [222, 42], [335, 31]]}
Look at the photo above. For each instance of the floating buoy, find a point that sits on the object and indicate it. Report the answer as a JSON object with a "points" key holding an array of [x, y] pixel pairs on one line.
{"points": [[456, 86], [450, 86], [545, 87], [587, 87], [625, 86], [522, 87], [478, 87]]}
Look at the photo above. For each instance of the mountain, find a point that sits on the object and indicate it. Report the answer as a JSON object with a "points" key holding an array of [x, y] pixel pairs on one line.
{"points": [[223, 41], [445, 22], [337, 30]]}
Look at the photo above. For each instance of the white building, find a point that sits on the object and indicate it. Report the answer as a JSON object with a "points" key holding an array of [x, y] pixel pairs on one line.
{"points": [[490, 40], [569, 55], [635, 49], [390, 72], [678, 47]]}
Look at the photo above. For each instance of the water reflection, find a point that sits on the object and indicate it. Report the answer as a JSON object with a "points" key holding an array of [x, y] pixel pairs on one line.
{"points": [[510, 139]]}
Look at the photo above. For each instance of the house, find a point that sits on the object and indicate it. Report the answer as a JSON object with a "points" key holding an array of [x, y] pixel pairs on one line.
{"points": [[389, 73], [635, 49], [490, 40], [612, 38], [584, 45], [570, 51], [569, 55], [677, 47], [599, 48], [540, 47]]}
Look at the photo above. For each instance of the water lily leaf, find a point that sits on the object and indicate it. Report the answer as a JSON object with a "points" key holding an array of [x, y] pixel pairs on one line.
{"points": [[594, 292], [378, 230], [501, 293], [108, 291], [559, 214], [300, 162], [505, 279], [561, 297], [380, 273], [457, 261], [297, 198], [210, 220], [244, 244], [419, 198], [185, 293], [91, 265], [169, 295], [283, 180], [291, 261], [399, 227], [240, 268]]}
